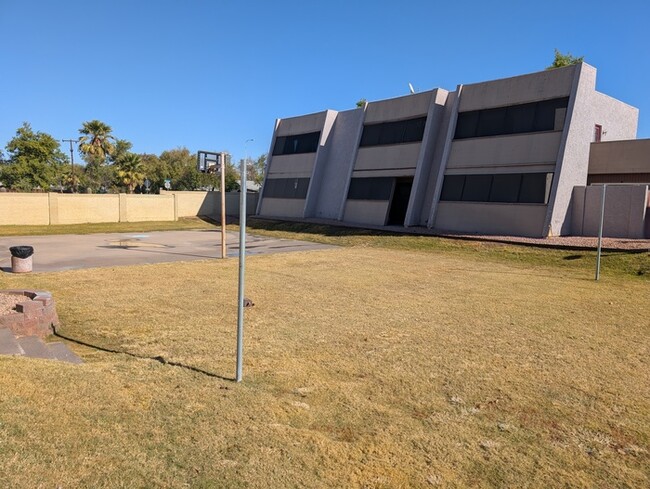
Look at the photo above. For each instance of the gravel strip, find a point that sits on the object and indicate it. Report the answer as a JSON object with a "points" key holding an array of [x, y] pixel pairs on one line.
{"points": [[8, 302], [561, 241]]}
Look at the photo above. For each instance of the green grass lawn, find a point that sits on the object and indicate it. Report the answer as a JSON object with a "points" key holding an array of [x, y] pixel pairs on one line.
{"points": [[389, 362]]}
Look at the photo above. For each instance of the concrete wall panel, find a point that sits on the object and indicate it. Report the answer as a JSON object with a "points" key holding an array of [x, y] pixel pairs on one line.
{"points": [[301, 124], [518, 90], [618, 120], [490, 218], [512, 150], [295, 166], [282, 207], [405, 172], [405, 107], [578, 211], [388, 157], [24, 209], [625, 211], [372, 212], [620, 157]]}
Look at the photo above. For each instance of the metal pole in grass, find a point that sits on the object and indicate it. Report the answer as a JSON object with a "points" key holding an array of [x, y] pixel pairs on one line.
{"points": [[243, 190], [600, 230], [224, 251]]}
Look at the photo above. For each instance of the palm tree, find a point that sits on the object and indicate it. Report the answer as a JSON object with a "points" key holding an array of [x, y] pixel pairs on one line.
{"points": [[129, 171], [95, 143]]}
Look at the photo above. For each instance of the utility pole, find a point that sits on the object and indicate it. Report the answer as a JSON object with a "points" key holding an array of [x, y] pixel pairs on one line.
{"points": [[71, 159]]}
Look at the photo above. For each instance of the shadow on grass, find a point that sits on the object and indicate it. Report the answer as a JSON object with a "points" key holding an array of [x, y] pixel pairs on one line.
{"points": [[158, 359], [334, 230]]}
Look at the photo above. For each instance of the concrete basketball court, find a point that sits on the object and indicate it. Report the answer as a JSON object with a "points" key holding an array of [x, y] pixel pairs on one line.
{"points": [[68, 252]]}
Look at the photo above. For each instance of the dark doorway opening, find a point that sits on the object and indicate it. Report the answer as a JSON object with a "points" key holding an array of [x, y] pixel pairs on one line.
{"points": [[400, 201]]}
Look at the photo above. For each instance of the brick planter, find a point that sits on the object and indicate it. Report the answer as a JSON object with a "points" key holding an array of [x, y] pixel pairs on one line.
{"points": [[34, 316]]}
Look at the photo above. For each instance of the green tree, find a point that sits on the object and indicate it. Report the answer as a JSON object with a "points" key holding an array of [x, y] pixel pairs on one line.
{"points": [[562, 60], [362, 103], [121, 148], [130, 171], [99, 179], [35, 161], [95, 143], [256, 169]]}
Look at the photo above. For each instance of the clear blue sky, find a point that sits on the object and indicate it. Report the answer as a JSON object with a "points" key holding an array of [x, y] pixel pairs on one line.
{"points": [[210, 74]]}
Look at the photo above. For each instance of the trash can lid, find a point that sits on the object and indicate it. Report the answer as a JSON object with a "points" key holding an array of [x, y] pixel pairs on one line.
{"points": [[21, 251]]}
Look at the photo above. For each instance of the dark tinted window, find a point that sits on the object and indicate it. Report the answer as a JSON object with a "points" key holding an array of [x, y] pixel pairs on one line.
{"points": [[298, 143], [524, 188], [466, 124], [392, 133], [533, 188], [452, 187], [520, 118], [491, 122], [396, 132], [545, 113], [505, 188], [515, 119], [414, 130], [477, 188], [370, 136], [375, 188], [286, 188]]}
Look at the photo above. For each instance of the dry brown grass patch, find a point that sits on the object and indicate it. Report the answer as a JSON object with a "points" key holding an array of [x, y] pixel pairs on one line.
{"points": [[363, 368]]}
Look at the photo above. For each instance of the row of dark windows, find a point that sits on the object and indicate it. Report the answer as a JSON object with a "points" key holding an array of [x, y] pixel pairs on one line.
{"points": [[396, 132], [298, 143], [286, 188], [522, 188], [515, 119], [373, 188], [528, 188]]}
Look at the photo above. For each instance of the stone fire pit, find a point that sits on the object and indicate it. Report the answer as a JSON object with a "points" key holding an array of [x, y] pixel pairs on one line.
{"points": [[28, 312]]}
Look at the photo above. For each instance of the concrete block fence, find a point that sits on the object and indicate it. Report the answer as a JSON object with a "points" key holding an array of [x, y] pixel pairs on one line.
{"points": [[54, 208]]}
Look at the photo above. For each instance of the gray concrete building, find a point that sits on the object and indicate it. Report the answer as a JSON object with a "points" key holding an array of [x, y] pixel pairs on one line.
{"points": [[497, 157]]}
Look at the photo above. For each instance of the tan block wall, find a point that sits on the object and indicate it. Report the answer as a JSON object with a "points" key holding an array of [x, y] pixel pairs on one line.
{"points": [[28, 209], [18, 209], [138, 208], [195, 203], [83, 208]]}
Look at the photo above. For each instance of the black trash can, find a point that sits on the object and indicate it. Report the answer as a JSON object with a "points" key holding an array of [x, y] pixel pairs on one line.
{"points": [[21, 258]]}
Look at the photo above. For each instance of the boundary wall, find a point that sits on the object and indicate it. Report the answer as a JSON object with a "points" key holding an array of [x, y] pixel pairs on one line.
{"points": [[626, 211], [55, 208]]}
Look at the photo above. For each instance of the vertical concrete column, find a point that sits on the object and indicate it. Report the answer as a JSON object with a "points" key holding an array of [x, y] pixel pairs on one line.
{"points": [[53, 207], [269, 159], [440, 177], [425, 158], [320, 161], [123, 209]]}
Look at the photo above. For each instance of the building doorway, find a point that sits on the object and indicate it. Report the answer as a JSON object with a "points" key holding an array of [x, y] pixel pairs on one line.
{"points": [[400, 201]]}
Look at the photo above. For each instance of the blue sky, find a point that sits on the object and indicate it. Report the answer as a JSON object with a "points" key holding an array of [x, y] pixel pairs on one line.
{"points": [[208, 74]]}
